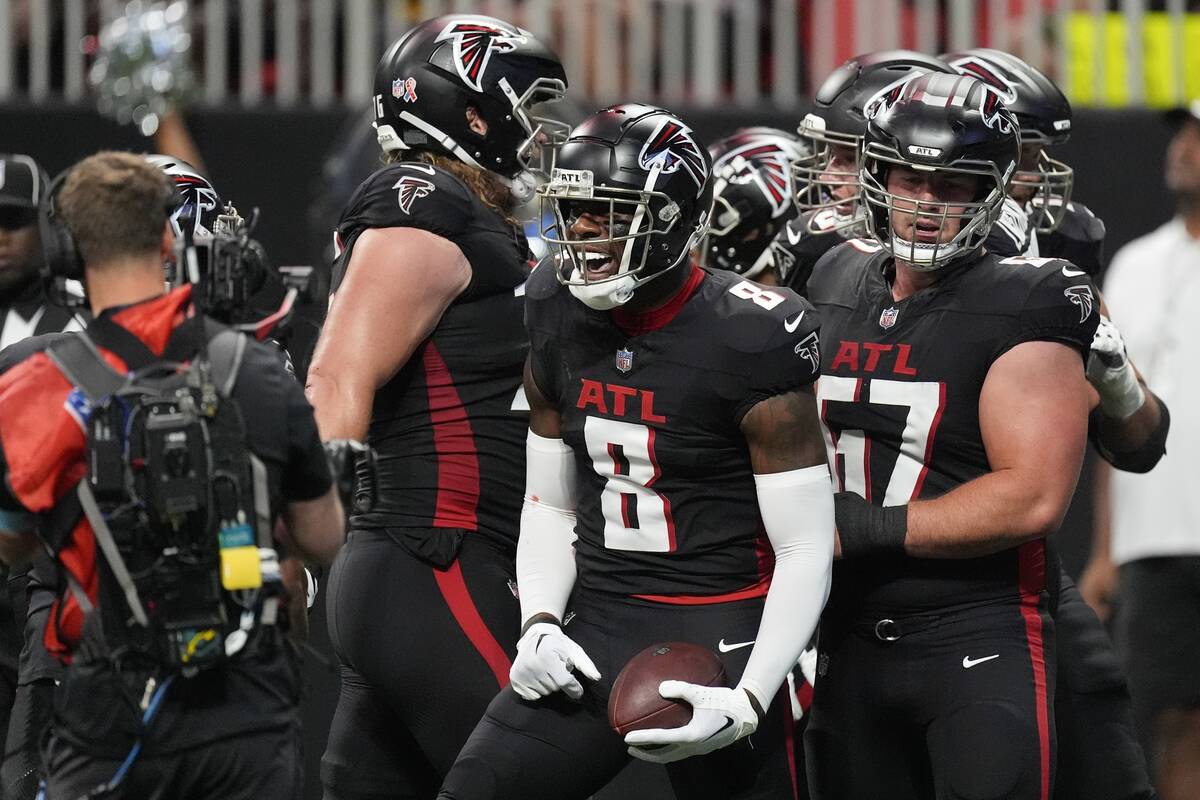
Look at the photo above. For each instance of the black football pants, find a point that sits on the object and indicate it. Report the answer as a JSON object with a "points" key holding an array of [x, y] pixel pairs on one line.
{"points": [[959, 707], [558, 749], [423, 652]]}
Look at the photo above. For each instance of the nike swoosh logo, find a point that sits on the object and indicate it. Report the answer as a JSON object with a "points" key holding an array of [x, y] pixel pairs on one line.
{"points": [[1073, 273], [794, 237], [728, 723], [790, 327], [725, 648], [969, 662]]}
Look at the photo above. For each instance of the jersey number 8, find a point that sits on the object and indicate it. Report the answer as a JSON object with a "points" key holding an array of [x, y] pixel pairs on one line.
{"points": [[636, 517]]}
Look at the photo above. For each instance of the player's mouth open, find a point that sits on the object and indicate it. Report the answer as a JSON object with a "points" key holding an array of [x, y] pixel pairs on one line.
{"points": [[927, 231], [599, 264]]}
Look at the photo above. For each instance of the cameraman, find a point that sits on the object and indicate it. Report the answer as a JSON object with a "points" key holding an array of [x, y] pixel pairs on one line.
{"points": [[232, 729]]}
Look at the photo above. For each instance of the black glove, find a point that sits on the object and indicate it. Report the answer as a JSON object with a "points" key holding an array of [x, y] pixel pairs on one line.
{"points": [[345, 456]]}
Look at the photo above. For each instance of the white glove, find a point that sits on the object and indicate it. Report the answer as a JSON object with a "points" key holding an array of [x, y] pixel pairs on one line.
{"points": [[545, 659], [720, 717], [1109, 371]]}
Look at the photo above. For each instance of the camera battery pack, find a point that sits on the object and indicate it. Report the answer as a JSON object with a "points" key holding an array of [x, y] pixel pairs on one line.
{"points": [[241, 567]]}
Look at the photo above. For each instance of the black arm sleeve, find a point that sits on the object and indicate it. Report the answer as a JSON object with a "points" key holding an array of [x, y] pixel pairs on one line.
{"points": [[1145, 457]]}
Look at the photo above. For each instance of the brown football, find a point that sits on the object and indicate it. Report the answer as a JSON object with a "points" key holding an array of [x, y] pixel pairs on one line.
{"points": [[635, 703]]}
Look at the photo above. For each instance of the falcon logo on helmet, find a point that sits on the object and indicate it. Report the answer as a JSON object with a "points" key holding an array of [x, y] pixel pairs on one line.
{"points": [[474, 42], [1082, 297], [887, 96], [672, 146], [994, 114], [411, 189], [764, 164], [980, 68]]}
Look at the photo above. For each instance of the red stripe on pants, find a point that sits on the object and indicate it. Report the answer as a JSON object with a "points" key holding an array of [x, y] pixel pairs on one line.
{"points": [[1032, 580], [453, 587], [454, 444]]}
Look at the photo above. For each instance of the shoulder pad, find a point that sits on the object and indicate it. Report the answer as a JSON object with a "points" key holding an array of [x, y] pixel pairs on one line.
{"points": [[773, 334], [409, 195], [543, 283], [796, 249], [1081, 224], [1051, 298], [841, 267]]}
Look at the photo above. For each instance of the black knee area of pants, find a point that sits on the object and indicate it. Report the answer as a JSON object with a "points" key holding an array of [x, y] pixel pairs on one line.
{"points": [[984, 754], [472, 777]]}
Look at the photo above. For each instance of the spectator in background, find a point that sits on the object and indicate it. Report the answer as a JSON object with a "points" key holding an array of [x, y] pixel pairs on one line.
{"points": [[25, 311], [1151, 566]]}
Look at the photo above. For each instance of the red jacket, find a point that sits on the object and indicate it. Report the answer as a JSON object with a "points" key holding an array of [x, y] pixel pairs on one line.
{"points": [[42, 438]]}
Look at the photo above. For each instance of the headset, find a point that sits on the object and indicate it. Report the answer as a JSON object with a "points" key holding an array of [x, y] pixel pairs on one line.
{"points": [[58, 241]]}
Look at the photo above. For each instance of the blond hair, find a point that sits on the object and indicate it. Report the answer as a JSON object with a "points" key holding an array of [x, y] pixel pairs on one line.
{"points": [[115, 205]]}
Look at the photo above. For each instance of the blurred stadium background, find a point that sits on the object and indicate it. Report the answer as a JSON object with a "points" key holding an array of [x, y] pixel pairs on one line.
{"points": [[278, 95]]}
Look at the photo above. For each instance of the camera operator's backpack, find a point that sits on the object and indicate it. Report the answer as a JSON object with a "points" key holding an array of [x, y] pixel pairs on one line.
{"points": [[176, 500]]}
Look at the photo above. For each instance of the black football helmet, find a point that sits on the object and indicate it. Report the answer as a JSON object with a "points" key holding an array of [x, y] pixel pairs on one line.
{"points": [[198, 200], [1044, 114], [429, 76], [752, 197], [938, 123], [839, 117], [642, 172]]}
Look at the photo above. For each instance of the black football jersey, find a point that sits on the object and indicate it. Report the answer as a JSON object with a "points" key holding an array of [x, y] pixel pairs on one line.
{"points": [[899, 398], [449, 428], [796, 249], [1079, 238], [667, 503]]}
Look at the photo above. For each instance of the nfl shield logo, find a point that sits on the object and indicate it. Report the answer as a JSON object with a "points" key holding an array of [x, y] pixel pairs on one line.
{"points": [[624, 360], [398, 88], [888, 318]]}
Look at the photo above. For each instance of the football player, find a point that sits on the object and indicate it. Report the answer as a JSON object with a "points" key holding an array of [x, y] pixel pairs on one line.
{"points": [[1098, 755], [421, 356], [1061, 227], [753, 170], [937, 657], [827, 191], [673, 446]]}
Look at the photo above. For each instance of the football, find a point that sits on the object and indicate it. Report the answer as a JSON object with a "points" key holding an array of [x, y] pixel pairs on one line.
{"points": [[635, 703]]}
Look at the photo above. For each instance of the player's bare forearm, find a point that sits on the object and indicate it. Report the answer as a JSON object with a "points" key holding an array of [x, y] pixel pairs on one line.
{"points": [[1033, 413], [994, 512], [341, 408], [784, 432]]}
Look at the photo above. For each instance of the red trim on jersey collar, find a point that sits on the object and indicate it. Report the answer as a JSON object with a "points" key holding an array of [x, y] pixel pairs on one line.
{"points": [[637, 323]]}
